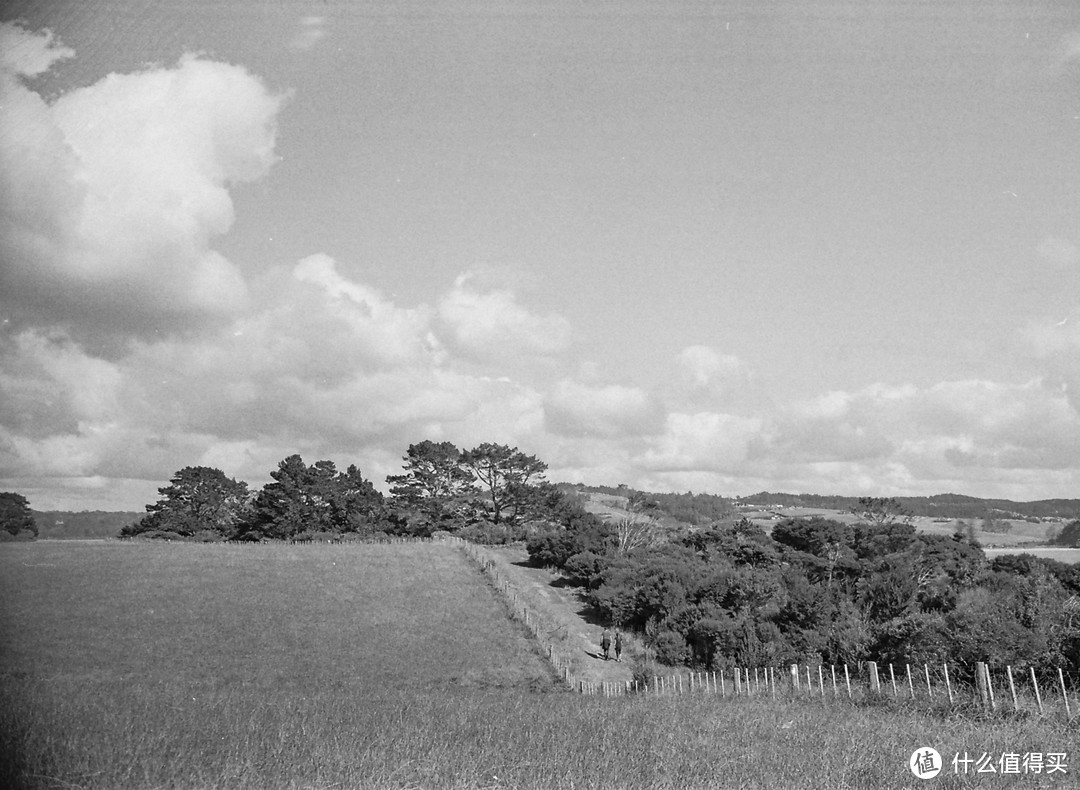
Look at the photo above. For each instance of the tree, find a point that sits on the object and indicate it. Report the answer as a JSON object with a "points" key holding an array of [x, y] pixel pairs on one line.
{"points": [[311, 499], [505, 473], [1069, 535], [197, 498], [15, 514], [881, 511], [435, 484]]}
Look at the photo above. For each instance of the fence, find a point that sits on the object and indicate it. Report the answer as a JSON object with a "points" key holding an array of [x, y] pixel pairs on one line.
{"points": [[545, 632], [926, 686]]}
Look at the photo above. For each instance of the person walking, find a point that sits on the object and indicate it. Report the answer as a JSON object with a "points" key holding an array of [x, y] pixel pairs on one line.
{"points": [[618, 646], [605, 643]]}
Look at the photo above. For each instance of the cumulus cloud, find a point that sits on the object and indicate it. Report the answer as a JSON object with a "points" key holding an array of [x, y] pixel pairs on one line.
{"points": [[28, 53], [705, 441], [491, 324], [577, 409], [113, 193]]}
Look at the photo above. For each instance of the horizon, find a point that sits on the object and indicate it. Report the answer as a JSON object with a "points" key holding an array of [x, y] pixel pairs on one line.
{"points": [[708, 246]]}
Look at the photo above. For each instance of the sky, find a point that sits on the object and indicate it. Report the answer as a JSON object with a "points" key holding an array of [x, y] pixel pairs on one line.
{"points": [[721, 247]]}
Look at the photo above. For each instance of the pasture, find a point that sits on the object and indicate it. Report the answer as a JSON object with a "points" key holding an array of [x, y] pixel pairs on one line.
{"points": [[382, 666]]}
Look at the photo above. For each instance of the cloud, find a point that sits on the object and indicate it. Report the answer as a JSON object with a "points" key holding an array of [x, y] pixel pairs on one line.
{"points": [[705, 441], [706, 368], [312, 30], [491, 324], [26, 53], [601, 411], [113, 194]]}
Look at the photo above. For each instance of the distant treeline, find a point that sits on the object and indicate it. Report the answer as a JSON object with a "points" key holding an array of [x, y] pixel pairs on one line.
{"points": [[84, 524], [937, 506]]}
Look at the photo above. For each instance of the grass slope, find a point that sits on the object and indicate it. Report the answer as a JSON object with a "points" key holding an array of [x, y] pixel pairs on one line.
{"points": [[187, 666]]}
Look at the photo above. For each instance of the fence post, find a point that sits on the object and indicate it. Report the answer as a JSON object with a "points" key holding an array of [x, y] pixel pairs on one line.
{"points": [[1012, 687], [847, 681], [911, 686], [1064, 694], [835, 693], [795, 677], [981, 679], [723, 685], [929, 691], [948, 684], [892, 677], [1035, 684], [875, 683]]}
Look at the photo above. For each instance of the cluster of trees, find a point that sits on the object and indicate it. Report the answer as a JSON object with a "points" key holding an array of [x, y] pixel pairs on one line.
{"points": [[732, 594], [491, 493], [16, 518]]}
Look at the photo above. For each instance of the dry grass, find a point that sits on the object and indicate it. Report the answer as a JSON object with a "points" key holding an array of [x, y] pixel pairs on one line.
{"points": [[180, 666]]}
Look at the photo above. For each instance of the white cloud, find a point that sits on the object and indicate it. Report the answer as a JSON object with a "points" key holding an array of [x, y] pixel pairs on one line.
{"points": [[491, 324], [582, 410], [706, 367], [27, 53], [113, 194], [705, 441]]}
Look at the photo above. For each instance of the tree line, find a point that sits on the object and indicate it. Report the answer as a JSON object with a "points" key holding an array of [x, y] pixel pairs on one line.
{"points": [[490, 493], [817, 590]]}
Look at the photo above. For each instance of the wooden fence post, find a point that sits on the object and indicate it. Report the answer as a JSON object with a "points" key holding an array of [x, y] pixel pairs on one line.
{"points": [[875, 683], [1035, 685], [911, 686], [835, 693], [948, 684], [929, 691], [1012, 687], [892, 677], [821, 679], [847, 681], [795, 677], [981, 678], [1064, 694]]}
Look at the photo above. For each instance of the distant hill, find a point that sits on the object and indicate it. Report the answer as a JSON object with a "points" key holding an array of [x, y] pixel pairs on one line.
{"points": [[937, 506], [84, 524]]}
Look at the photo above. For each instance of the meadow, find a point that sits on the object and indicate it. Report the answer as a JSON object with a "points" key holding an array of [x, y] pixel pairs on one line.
{"points": [[385, 666]]}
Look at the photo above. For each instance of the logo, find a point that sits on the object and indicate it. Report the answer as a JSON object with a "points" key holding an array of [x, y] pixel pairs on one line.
{"points": [[925, 762]]}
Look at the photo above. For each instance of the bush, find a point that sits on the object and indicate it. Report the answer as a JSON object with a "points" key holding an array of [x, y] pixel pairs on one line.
{"points": [[584, 569], [487, 533], [671, 647]]}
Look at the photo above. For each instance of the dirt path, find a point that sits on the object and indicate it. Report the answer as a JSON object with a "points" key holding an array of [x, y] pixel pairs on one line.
{"points": [[562, 612]]}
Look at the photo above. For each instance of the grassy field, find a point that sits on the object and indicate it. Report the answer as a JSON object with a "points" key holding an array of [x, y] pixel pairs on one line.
{"points": [[188, 666]]}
